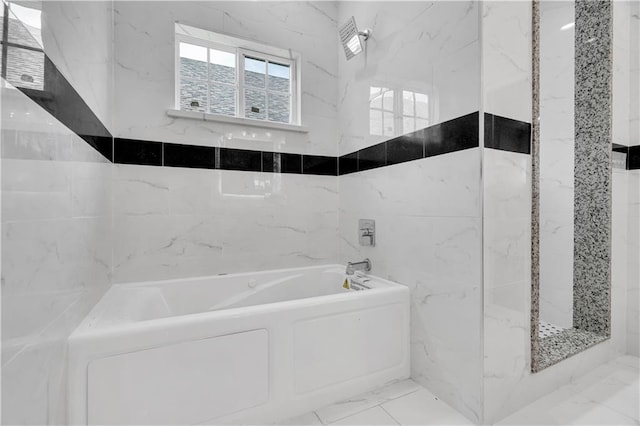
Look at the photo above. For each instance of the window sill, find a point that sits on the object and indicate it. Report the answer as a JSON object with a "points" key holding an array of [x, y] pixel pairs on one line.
{"points": [[236, 120]]}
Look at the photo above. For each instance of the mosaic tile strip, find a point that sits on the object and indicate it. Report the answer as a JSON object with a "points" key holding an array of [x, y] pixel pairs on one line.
{"points": [[535, 185], [592, 174]]}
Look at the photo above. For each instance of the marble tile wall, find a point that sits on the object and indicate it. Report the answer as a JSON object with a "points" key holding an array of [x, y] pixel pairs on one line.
{"points": [[633, 246], [56, 213], [56, 253], [427, 211], [633, 298], [175, 222]]}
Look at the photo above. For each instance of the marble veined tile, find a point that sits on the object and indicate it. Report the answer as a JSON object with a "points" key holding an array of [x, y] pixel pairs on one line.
{"points": [[305, 419], [359, 403], [372, 416], [424, 408]]}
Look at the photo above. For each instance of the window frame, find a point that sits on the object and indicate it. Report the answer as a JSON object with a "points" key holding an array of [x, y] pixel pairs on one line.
{"points": [[241, 49]]}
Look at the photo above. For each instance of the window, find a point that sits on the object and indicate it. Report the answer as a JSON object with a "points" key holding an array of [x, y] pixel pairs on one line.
{"points": [[219, 74], [396, 112]]}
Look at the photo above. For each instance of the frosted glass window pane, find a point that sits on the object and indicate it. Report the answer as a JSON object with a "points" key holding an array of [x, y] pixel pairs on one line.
{"points": [[222, 100], [222, 66], [279, 77], [254, 72], [255, 104], [193, 61], [192, 92], [279, 107]]}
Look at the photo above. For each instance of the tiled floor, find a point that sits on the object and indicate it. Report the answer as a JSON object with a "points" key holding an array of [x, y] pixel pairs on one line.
{"points": [[607, 395], [401, 403]]}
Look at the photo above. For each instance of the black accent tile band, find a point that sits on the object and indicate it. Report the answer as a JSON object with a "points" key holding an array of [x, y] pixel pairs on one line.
{"points": [[348, 163], [449, 136], [132, 151], [319, 165], [633, 158], [277, 162], [62, 101], [240, 159], [372, 157], [406, 148], [201, 157], [453, 135], [632, 152], [507, 134], [615, 147]]}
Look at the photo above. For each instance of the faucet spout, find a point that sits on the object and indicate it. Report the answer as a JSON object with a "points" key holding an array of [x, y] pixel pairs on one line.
{"points": [[365, 265]]}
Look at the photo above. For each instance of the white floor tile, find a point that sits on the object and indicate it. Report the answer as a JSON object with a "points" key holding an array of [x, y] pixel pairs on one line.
{"points": [[423, 408], [342, 409], [618, 392], [305, 419], [580, 411], [372, 416], [628, 360], [607, 395]]}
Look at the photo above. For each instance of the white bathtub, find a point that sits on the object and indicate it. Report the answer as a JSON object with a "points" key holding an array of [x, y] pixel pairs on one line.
{"points": [[242, 348]]}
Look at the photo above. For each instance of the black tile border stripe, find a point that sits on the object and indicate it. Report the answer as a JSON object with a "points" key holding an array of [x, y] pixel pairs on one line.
{"points": [[58, 97], [632, 152], [450, 136], [152, 153], [133, 151], [633, 158], [506, 134], [192, 156], [65, 104]]}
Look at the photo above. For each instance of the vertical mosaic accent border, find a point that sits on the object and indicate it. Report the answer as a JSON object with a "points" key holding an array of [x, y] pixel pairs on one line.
{"points": [[535, 185], [592, 174], [592, 184]]}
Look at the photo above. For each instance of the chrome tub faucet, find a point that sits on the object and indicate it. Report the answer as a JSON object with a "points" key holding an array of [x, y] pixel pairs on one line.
{"points": [[365, 265]]}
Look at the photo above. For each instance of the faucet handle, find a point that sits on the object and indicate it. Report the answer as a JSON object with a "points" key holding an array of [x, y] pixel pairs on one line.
{"points": [[367, 232]]}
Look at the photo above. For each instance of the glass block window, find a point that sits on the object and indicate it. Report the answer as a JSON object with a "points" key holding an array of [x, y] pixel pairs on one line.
{"points": [[228, 80]]}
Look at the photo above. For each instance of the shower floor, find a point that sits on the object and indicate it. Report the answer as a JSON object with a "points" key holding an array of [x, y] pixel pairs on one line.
{"points": [[547, 329]]}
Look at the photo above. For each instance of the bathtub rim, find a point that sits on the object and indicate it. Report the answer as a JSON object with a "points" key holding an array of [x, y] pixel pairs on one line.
{"points": [[83, 331]]}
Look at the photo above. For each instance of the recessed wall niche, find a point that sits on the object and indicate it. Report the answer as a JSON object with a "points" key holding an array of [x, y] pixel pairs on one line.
{"points": [[571, 202]]}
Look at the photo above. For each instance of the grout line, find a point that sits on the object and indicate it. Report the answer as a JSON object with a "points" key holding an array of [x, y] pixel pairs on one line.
{"points": [[376, 405], [389, 414]]}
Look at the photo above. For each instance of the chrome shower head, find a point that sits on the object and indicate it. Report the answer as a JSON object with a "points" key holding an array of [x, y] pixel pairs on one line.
{"points": [[350, 38]]}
